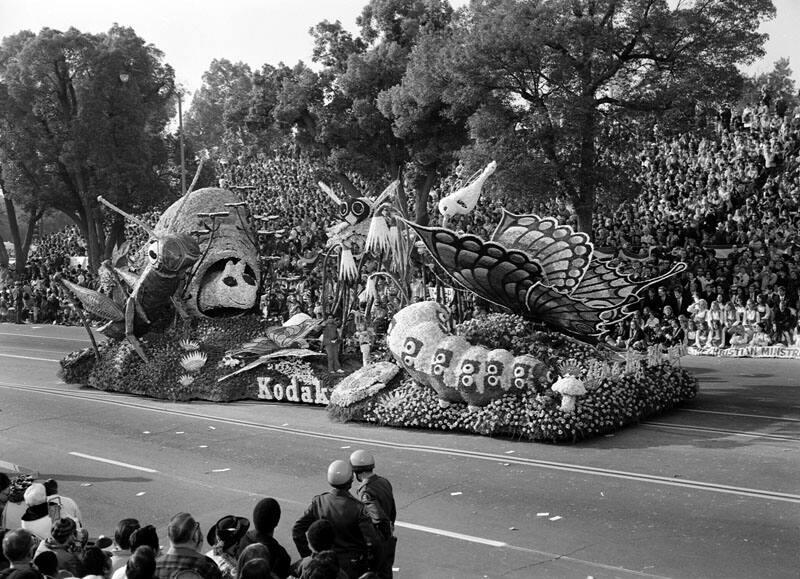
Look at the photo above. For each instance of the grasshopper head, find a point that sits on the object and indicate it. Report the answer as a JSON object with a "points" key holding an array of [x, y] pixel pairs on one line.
{"points": [[173, 253]]}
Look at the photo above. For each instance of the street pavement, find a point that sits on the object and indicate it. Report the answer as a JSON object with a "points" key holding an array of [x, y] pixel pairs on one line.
{"points": [[709, 490]]}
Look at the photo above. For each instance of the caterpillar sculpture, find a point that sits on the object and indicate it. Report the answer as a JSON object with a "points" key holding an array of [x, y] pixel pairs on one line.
{"points": [[420, 340]]}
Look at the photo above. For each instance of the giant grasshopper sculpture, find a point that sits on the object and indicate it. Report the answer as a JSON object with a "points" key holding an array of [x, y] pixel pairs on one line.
{"points": [[148, 297]]}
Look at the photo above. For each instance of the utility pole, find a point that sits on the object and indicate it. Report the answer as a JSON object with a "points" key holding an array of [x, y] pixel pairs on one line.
{"points": [[180, 129]]}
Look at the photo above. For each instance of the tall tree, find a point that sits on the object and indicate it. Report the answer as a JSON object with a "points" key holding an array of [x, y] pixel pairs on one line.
{"points": [[353, 113], [546, 78], [219, 108], [83, 115], [778, 83]]}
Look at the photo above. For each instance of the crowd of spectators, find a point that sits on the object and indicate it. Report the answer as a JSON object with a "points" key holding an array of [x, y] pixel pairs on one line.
{"points": [[43, 535], [723, 199], [34, 297]]}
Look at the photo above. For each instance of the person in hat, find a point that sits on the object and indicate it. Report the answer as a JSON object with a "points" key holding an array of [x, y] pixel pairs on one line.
{"points": [[355, 536], [63, 536], [184, 554], [378, 497], [266, 515], [225, 538], [37, 517]]}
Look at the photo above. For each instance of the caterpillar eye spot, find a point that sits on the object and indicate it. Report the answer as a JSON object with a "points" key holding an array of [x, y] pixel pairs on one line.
{"points": [[492, 380], [468, 368], [439, 359], [438, 370], [519, 372], [408, 361], [519, 383], [466, 380]]}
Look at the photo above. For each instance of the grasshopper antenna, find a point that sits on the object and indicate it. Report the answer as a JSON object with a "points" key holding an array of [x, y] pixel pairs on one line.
{"points": [[136, 220], [189, 190]]}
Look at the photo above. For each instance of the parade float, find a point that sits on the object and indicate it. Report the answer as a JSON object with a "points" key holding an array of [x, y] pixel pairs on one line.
{"points": [[182, 324]]}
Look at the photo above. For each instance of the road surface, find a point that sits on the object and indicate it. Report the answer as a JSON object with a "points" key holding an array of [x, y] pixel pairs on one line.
{"points": [[710, 490]]}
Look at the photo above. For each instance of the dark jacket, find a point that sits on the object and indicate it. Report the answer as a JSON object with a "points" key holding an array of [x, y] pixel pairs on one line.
{"points": [[378, 498], [352, 525], [279, 557]]}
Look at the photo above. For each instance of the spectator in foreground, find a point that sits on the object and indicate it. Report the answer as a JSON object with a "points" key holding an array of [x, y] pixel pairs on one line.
{"points": [[354, 536], [63, 536], [47, 564], [186, 540], [122, 543], [320, 536], [5, 492], [18, 548], [266, 516], [96, 564], [254, 563], [37, 517], [225, 537], [142, 564]]}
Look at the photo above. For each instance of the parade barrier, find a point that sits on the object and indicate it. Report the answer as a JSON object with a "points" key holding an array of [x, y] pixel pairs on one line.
{"points": [[749, 352]]}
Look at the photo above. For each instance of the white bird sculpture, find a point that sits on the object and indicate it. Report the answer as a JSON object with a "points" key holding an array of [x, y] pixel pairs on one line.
{"points": [[464, 200]]}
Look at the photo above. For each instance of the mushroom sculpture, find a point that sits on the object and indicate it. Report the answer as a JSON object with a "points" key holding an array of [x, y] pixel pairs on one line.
{"points": [[570, 388]]}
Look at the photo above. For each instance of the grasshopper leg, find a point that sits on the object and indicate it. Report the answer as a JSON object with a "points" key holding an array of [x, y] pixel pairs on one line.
{"points": [[130, 316]]}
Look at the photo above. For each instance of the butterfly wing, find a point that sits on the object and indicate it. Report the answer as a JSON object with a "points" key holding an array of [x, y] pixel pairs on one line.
{"points": [[562, 311], [604, 285], [563, 253], [489, 270]]}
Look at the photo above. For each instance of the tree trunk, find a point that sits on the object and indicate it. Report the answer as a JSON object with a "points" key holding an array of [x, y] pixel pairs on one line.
{"points": [[22, 252], [587, 180], [421, 197], [16, 238], [584, 212], [116, 237], [3, 254], [91, 227]]}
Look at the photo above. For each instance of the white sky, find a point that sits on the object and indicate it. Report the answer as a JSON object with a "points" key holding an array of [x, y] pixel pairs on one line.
{"points": [[191, 33]]}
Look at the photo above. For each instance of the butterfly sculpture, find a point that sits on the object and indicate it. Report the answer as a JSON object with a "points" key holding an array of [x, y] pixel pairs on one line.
{"points": [[541, 270]]}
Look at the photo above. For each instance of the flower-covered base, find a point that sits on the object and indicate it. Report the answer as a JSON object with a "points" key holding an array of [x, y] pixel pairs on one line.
{"points": [[190, 369], [614, 391], [611, 405]]}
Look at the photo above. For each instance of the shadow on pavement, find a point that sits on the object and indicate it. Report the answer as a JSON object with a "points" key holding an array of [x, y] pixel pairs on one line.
{"points": [[93, 479]]}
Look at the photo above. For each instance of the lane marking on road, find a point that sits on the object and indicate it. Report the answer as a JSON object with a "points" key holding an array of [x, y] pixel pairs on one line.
{"points": [[29, 358], [131, 402], [451, 534], [114, 462], [41, 337], [741, 415], [501, 544], [665, 425]]}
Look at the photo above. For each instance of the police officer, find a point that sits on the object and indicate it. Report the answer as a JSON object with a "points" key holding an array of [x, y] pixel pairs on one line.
{"points": [[376, 494], [354, 532]]}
